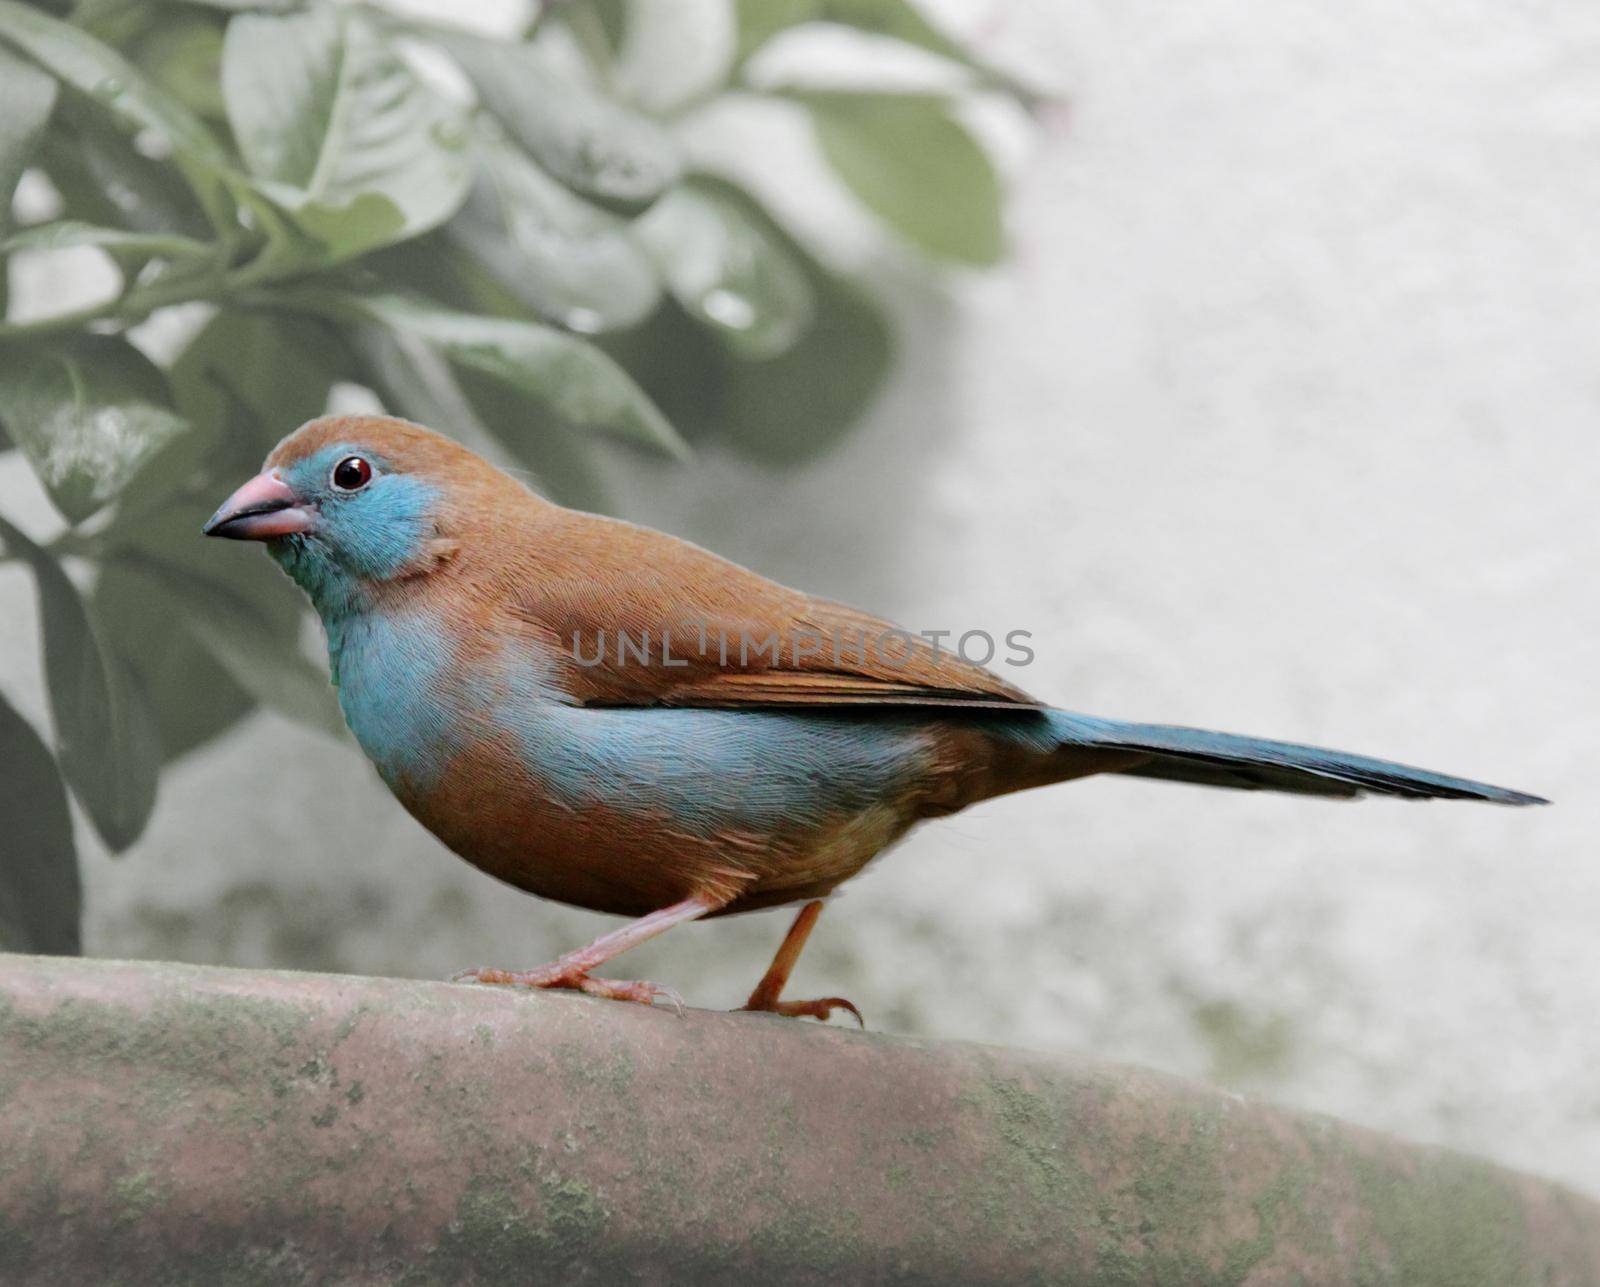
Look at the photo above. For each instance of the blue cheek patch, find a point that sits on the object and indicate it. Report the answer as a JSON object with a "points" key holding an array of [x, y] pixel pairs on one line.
{"points": [[370, 535], [380, 531]]}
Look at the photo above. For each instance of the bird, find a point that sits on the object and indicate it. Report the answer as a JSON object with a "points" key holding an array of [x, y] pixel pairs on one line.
{"points": [[610, 717]]}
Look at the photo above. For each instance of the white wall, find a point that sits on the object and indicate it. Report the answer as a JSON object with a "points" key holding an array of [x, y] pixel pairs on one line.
{"points": [[1283, 420]]}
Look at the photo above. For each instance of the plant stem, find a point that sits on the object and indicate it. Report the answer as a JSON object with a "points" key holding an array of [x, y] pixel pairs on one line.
{"points": [[136, 305], [75, 543], [129, 308]]}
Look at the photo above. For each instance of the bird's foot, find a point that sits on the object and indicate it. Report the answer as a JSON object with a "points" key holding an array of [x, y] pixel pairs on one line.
{"points": [[820, 1009], [560, 975], [767, 992]]}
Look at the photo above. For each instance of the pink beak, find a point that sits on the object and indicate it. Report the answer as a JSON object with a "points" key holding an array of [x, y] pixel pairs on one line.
{"points": [[264, 508]]}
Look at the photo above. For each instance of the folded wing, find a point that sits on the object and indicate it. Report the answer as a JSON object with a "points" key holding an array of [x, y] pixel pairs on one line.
{"points": [[637, 618]]}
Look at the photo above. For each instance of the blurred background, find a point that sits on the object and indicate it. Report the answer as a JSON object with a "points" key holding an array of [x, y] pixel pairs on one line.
{"points": [[1273, 410]]}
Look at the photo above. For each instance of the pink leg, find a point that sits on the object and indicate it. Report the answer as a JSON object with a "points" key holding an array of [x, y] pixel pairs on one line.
{"points": [[767, 992], [571, 970]]}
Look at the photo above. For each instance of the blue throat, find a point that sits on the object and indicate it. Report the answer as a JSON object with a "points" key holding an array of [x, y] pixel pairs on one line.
{"points": [[388, 662], [334, 593]]}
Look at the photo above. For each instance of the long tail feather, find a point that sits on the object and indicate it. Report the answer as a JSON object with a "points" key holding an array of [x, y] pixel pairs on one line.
{"points": [[1258, 764]]}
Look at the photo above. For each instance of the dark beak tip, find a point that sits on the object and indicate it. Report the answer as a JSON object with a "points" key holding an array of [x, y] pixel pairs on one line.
{"points": [[264, 508], [230, 524]]}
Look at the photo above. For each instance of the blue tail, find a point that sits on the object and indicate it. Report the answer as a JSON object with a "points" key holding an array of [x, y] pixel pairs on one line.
{"points": [[1256, 764]]}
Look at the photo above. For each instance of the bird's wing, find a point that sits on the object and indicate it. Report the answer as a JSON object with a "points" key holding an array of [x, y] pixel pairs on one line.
{"points": [[637, 618]]}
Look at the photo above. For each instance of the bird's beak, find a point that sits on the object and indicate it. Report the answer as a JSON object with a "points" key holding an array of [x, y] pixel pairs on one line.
{"points": [[263, 508]]}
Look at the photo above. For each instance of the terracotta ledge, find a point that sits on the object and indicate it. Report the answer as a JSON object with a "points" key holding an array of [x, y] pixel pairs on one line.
{"points": [[169, 1123]]}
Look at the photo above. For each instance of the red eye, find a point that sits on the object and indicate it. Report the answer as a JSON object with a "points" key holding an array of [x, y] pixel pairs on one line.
{"points": [[352, 474]]}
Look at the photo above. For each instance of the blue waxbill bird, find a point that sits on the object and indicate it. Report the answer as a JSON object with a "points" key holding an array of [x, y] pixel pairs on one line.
{"points": [[613, 718]]}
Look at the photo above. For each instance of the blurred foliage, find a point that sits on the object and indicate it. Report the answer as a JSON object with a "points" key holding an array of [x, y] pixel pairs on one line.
{"points": [[504, 238]]}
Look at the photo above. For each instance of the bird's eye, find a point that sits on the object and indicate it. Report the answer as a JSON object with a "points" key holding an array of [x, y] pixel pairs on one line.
{"points": [[352, 474]]}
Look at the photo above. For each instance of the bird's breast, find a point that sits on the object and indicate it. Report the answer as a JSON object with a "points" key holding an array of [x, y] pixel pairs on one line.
{"points": [[400, 695]]}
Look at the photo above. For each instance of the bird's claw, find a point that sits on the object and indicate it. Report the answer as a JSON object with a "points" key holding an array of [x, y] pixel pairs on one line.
{"points": [[671, 996], [822, 1009], [488, 976], [639, 990], [557, 976]]}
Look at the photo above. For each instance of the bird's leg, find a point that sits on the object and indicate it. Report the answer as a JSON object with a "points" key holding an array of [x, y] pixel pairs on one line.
{"points": [[765, 997], [571, 970]]}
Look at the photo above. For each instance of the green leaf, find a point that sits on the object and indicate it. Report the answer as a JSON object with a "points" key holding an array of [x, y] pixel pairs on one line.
{"points": [[280, 677], [414, 382], [237, 610], [564, 467], [567, 376], [235, 604], [680, 364], [116, 22], [782, 409], [610, 15], [802, 402], [439, 267], [566, 259], [252, 6], [104, 180], [237, 410], [70, 232], [88, 411], [27, 97], [293, 363], [238, 634], [909, 162], [899, 20], [41, 899], [182, 51], [476, 409], [729, 266], [107, 738], [338, 131], [760, 20], [192, 698], [120, 88], [595, 146], [168, 473]]}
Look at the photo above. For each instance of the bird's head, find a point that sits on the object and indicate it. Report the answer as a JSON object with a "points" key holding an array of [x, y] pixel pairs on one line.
{"points": [[348, 504]]}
